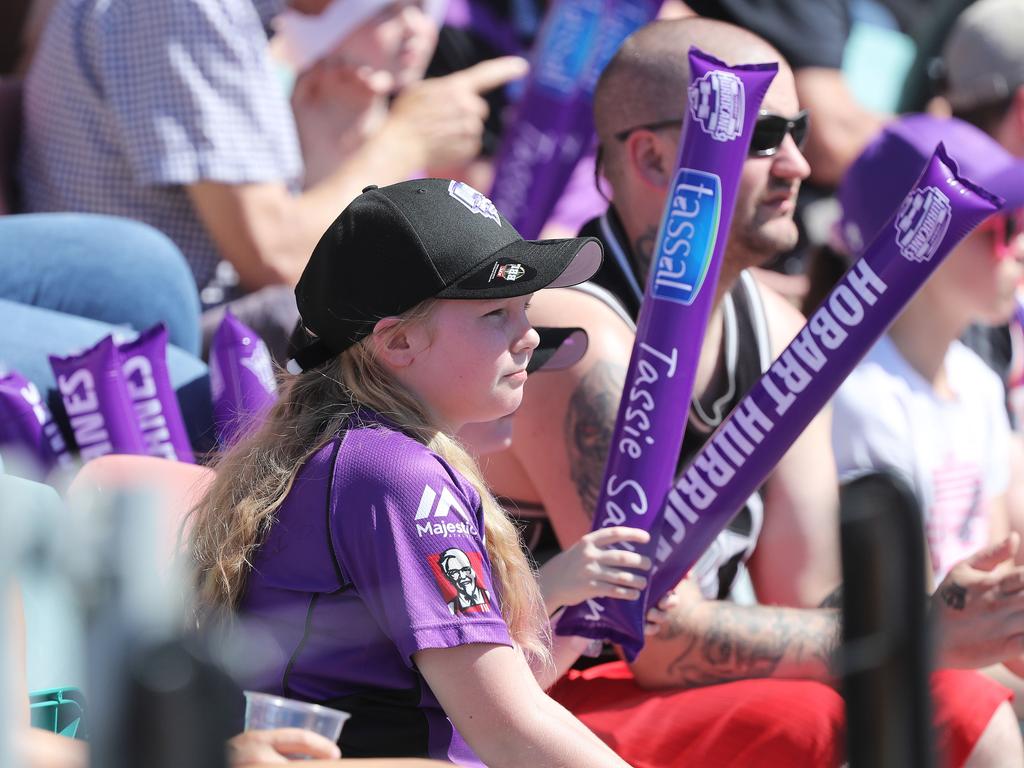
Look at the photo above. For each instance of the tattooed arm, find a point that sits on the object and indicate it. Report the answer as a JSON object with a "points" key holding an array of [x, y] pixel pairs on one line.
{"points": [[564, 427], [589, 424], [705, 642]]}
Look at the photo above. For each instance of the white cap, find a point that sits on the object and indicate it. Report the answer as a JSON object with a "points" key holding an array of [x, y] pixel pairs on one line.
{"points": [[300, 39]]}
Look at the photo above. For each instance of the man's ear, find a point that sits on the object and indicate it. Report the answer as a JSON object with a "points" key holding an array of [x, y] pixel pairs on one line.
{"points": [[648, 154], [398, 344]]}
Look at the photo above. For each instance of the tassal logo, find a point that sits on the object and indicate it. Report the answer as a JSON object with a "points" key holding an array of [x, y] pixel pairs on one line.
{"points": [[686, 240], [433, 519]]}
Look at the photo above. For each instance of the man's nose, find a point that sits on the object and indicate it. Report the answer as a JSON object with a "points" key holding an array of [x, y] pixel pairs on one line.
{"points": [[789, 162]]}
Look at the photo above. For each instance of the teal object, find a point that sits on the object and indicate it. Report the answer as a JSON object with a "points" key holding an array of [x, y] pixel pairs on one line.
{"points": [[875, 63], [59, 710]]}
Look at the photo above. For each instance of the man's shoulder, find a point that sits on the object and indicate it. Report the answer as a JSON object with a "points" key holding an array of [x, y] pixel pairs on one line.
{"points": [[782, 320]]}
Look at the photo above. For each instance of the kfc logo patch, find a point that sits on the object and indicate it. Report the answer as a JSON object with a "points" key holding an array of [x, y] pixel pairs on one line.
{"points": [[921, 223], [716, 103], [474, 201], [459, 576]]}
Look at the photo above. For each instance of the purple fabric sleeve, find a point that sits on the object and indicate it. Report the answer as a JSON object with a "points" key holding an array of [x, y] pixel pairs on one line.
{"points": [[723, 106], [242, 380], [144, 362], [96, 400], [26, 422], [399, 528], [937, 213], [552, 125]]}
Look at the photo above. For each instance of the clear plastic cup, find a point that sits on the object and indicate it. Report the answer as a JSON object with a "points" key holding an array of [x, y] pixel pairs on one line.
{"points": [[264, 711]]}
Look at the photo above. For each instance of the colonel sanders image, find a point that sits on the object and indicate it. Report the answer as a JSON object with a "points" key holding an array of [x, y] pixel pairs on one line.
{"points": [[458, 570]]}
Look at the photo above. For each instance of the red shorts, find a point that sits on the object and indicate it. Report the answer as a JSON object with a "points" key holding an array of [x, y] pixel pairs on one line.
{"points": [[754, 722]]}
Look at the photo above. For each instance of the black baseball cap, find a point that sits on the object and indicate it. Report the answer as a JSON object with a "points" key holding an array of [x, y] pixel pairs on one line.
{"points": [[396, 246]]}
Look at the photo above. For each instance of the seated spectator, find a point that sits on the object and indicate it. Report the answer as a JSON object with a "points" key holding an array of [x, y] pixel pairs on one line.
{"points": [[922, 403], [983, 69], [370, 420], [562, 432], [212, 156]]}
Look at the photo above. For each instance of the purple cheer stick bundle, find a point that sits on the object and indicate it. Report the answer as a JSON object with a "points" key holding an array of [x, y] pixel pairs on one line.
{"points": [[939, 211], [144, 363], [93, 389], [242, 379], [723, 104], [27, 424], [552, 123]]}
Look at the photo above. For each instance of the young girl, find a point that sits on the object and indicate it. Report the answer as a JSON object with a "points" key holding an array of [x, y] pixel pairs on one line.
{"points": [[358, 533]]}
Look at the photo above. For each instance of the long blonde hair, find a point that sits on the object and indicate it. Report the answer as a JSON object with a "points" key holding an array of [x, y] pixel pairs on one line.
{"points": [[254, 478]]}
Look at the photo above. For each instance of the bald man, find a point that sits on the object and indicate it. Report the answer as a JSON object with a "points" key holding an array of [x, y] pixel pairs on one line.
{"points": [[742, 663]]}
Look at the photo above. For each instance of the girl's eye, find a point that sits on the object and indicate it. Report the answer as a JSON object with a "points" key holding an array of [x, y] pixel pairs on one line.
{"points": [[496, 313]]}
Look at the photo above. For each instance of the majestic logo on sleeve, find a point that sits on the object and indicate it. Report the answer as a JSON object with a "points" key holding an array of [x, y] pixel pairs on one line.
{"points": [[438, 520], [716, 103], [921, 223], [474, 201], [459, 576]]}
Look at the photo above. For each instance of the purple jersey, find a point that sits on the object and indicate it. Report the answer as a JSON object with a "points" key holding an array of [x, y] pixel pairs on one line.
{"points": [[377, 553]]}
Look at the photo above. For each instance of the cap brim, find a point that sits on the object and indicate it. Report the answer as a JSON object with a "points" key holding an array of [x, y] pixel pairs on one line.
{"points": [[1008, 183], [526, 266], [558, 349]]}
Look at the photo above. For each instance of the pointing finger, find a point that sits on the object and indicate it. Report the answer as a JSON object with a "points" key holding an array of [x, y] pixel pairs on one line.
{"points": [[488, 75]]}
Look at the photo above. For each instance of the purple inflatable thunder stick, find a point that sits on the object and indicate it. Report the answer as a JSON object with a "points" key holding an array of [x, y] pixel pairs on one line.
{"points": [[144, 362], [242, 379], [93, 389], [937, 213], [723, 105], [26, 422], [552, 124]]}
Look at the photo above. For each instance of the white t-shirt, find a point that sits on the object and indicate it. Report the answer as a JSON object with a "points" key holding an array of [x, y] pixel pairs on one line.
{"points": [[953, 452]]}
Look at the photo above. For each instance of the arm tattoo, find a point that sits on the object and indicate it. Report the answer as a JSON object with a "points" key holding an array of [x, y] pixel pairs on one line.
{"points": [[954, 595], [743, 642], [589, 424]]}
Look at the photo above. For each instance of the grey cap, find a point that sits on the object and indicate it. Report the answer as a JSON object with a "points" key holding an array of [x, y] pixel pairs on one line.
{"points": [[984, 54]]}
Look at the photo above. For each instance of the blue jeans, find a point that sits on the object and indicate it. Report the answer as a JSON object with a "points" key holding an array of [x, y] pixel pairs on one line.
{"points": [[28, 335], [109, 269]]}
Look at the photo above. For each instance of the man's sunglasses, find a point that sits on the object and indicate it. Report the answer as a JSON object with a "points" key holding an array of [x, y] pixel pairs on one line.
{"points": [[769, 131], [1005, 227]]}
